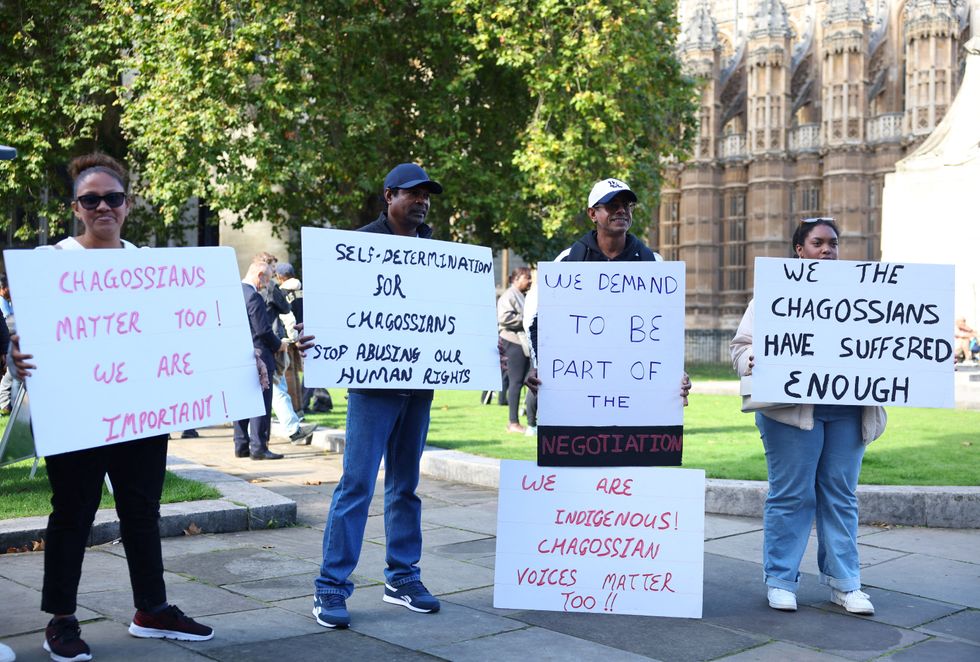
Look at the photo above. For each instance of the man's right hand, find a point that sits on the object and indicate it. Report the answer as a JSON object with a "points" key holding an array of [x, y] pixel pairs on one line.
{"points": [[531, 381]]}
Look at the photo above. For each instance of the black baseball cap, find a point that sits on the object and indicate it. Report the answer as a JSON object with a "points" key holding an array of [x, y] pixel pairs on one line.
{"points": [[409, 175]]}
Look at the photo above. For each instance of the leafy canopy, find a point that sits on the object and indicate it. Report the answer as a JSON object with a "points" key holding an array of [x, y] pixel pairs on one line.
{"points": [[293, 110]]}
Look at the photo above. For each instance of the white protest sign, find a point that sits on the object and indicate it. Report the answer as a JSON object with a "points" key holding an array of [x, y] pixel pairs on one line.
{"points": [[853, 333], [611, 360], [398, 312], [600, 540], [132, 343]]}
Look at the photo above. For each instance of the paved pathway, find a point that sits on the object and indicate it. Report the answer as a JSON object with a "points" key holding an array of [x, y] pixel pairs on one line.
{"points": [[255, 589]]}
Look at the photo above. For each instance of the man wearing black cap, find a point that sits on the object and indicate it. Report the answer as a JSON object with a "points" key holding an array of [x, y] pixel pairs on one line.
{"points": [[386, 423]]}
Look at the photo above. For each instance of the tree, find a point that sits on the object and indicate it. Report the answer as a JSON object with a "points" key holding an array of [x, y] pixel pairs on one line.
{"points": [[56, 92], [293, 110]]}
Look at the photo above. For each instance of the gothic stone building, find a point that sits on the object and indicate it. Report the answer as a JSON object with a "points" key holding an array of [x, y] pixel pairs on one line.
{"points": [[805, 106]]}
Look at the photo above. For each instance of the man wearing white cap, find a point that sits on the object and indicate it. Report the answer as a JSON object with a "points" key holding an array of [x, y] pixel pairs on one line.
{"points": [[611, 205]]}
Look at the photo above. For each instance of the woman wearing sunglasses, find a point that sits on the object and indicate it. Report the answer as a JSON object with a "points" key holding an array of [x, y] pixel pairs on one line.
{"points": [[135, 468], [813, 458]]}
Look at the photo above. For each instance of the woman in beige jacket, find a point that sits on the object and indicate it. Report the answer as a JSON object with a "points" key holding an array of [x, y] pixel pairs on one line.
{"points": [[813, 457]]}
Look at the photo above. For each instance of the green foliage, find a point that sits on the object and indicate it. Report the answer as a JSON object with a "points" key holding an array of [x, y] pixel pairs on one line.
{"points": [[919, 447], [292, 111], [58, 63], [29, 497]]}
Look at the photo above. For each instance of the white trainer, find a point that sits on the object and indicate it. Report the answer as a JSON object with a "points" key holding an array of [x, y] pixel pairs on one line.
{"points": [[855, 602], [782, 599]]}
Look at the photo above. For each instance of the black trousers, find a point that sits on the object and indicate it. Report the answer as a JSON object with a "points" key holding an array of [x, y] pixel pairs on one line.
{"points": [[136, 469], [252, 434], [518, 366]]}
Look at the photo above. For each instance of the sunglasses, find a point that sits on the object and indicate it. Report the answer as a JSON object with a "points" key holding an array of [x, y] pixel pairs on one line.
{"points": [[818, 219], [91, 201]]}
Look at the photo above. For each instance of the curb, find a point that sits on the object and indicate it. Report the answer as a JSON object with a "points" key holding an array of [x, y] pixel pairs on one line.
{"points": [[243, 507], [950, 507]]}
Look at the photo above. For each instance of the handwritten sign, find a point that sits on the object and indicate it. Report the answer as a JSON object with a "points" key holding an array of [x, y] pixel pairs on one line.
{"points": [[604, 540], [853, 333], [132, 343], [611, 361], [399, 312]]}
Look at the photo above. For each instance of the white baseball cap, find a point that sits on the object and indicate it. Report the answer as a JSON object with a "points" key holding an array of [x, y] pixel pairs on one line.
{"points": [[607, 189]]}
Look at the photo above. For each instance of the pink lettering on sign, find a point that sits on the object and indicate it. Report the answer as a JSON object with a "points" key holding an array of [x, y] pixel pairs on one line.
{"points": [[174, 364], [113, 375], [615, 486], [136, 278], [546, 483], [600, 547], [81, 327], [546, 576], [636, 581], [139, 423], [614, 518]]}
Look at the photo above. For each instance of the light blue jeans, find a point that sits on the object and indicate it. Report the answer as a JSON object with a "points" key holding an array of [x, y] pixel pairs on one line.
{"points": [[813, 474], [379, 424], [282, 405]]}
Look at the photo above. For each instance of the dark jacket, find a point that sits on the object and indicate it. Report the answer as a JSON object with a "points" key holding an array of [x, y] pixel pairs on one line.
{"points": [[586, 249], [380, 225], [264, 338]]}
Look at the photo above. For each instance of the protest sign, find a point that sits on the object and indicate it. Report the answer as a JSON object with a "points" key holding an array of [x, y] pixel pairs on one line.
{"points": [[132, 343], [611, 360], [398, 312], [853, 333], [621, 540]]}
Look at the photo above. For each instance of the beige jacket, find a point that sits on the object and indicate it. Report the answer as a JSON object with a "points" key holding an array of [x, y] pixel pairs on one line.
{"points": [[873, 419]]}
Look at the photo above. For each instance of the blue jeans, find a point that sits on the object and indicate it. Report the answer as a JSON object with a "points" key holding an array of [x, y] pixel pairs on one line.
{"points": [[380, 424], [813, 474], [282, 404]]}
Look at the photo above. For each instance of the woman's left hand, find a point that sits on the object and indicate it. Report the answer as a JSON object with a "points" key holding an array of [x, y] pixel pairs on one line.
{"points": [[22, 362], [303, 343]]}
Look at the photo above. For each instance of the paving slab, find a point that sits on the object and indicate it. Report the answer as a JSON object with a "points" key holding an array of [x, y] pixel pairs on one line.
{"points": [[236, 565], [963, 625], [328, 644], [194, 599], [269, 624], [748, 546], [27, 617], [780, 651], [901, 609], [675, 639], [538, 643], [467, 550], [481, 518], [930, 577], [957, 544], [275, 588], [478, 598], [938, 651], [723, 526], [398, 625]]}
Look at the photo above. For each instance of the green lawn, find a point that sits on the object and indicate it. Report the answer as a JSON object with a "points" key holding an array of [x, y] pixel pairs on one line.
{"points": [[26, 497], [919, 447]]}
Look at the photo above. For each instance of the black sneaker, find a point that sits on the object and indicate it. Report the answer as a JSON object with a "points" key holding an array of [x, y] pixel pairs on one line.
{"points": [[330, 610], [413, 595], [171, 623], [63, 639], [302, 434]]}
